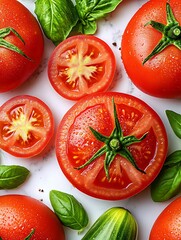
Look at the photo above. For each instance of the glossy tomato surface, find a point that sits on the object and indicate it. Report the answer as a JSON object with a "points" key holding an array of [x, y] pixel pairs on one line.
{"points": [[81, 65], [15, 68], [26, 126], [168, 224], [132, 165], [22, 215], [160, 76]]}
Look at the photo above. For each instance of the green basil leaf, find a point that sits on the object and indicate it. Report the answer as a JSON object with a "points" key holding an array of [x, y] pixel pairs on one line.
{"points": [[173, 158], [175, 122], [71, 212], [12, 176], [91, 10], [89, 27], [57, 18], [168, 182]]}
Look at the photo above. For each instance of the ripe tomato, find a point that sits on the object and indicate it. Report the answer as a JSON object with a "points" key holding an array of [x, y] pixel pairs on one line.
{"points": [[103, 159], [81, 65], [26, 126], [168, 224], [160, 76], [15, 68], [22, 215]]}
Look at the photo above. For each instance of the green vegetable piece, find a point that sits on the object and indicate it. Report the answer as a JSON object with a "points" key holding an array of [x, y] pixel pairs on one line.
{"points": [[30, 235], [90, 11], [168, 182], [171, 33], [57, 18], [175, 122], [3, 43], [115, 144], [71, 212], [12, 176], [116, 223]]}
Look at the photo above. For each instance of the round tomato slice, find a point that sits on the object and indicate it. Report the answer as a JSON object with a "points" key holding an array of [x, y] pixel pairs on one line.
{"points": [[26, 126], [111, 145], [81, 65]]}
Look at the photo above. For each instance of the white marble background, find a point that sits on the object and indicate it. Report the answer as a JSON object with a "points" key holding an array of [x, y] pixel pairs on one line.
{"points": [[45, 172]]}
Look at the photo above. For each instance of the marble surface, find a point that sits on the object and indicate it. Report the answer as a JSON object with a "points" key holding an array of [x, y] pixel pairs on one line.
{"points": [[45, 172]]}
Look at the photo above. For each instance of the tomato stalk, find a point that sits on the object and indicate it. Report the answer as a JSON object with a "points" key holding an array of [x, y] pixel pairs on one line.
{"points": [[3, 43], [115, 144], [171, 33], [30, 235]]}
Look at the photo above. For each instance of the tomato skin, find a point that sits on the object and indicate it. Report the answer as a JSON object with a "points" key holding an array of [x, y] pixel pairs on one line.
{"points": [[75, 144], [161, 75], [14, 68], [81, 65], [20, 214], [168, 224], [26, 126]]}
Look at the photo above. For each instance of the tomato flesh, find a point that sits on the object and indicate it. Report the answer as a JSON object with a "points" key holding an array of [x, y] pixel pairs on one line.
{"points": [[81, 65], [76, 144], [26, 126]]}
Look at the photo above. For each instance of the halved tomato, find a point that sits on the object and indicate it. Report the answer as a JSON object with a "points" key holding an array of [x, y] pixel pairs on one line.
{"points": [[81, 65], [26, 126], [111, 145]]}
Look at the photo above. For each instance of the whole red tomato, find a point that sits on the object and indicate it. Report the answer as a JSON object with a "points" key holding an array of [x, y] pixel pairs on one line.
{"points": [[168, 224], [21, 216], [160, 75], [15, 68], [111, 149]]}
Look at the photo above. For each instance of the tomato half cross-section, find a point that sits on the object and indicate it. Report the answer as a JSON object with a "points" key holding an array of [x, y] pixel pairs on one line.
{"points": [[24, 217], [81, 65], [111, 145], [21, 44], [151, 48], [26, 126]]}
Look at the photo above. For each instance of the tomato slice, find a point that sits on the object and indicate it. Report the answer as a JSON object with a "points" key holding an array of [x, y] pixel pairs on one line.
{"points": [[111, 149], [26, 126], [81, 65]]}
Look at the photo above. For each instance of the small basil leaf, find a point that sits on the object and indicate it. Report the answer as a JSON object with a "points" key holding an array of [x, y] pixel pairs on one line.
{"points": [[175, 122], [89, 11], [57, 18], [12, 176], [89, 27], [168, 182], [69, 210]]}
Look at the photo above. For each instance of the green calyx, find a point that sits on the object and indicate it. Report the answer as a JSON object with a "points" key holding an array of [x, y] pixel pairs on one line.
{"points": [[114, 144], [171, 33], [3, 43], [30, 235]]}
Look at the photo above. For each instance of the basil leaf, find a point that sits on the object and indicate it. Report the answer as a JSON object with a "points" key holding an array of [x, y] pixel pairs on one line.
{"points": [[175, 122], [69, 210], [12, 176], [57, 18], [91, 10], [168, 182]]}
